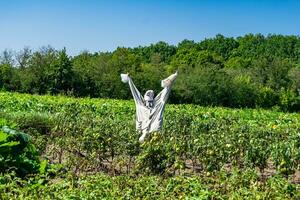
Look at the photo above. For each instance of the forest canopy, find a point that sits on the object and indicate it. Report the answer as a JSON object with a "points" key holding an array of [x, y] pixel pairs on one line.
{"points": [[247, 71]]}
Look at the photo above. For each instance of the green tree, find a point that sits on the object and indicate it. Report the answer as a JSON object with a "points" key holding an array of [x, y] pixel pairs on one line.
{"points": [[220, 45], [37, 76], [61, 74], [6, 69]]}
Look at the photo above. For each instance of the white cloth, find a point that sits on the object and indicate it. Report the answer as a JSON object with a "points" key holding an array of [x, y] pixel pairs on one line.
{"points": [[149, 119]]}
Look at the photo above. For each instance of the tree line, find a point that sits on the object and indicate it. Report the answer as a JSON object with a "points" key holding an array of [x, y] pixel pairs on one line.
{"points": [[248, 71]]}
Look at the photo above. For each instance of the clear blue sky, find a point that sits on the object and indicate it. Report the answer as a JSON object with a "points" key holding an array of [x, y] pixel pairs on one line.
{"points": [[104, 25]]}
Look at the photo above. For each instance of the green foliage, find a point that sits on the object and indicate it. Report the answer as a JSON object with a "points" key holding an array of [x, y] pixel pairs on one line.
{"points": [[223, 185], [210, 71], [201, 153], [266, 97], [99, 135], [155, 156], [221, 45], [61, 74], [16, 153], [289, 101]]}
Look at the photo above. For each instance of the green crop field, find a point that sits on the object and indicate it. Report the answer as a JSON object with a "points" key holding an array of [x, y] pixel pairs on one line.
{"points": [[88, 149]]}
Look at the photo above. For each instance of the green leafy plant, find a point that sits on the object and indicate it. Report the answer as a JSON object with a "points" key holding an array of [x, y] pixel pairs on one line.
{"points": [[17, 153]]}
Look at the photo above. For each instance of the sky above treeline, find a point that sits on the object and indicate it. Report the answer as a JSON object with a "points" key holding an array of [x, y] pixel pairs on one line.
{"points": [[96, 25]]}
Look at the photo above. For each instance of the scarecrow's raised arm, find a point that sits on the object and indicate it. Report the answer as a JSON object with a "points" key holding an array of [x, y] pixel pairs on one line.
{"points": [[135, 93], [167, 85], [168, 82]]}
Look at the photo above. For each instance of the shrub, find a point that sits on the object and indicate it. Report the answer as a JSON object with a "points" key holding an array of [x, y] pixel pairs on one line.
{"points": [[17, 153]]}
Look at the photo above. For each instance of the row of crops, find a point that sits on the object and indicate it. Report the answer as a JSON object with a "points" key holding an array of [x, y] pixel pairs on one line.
{"points": [[87, 136], [239, 185], [90, 134]]}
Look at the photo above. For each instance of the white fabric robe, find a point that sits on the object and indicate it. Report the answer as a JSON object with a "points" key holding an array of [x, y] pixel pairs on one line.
{"points": [[150, 119]]}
